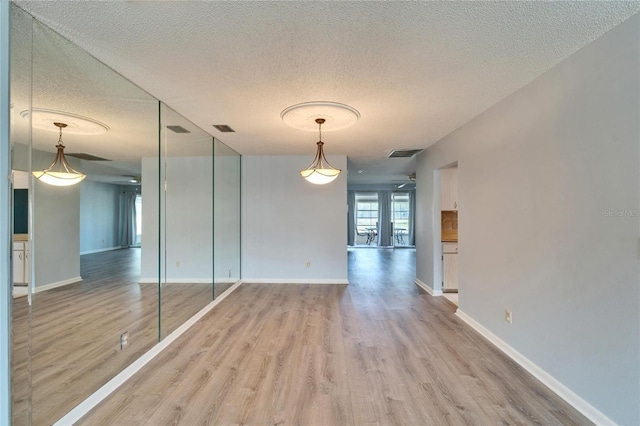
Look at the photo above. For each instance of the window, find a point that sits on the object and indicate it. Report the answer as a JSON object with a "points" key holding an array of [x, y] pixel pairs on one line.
{"points": [[400, 217], [366, 210], [400, 210]]}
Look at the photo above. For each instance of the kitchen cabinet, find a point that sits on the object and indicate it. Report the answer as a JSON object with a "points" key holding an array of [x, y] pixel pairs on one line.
{"points": [[449, 189], [20, 263], [450, 267]]}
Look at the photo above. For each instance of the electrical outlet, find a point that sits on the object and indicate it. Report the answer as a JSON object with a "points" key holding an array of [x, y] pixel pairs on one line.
{"points": [[508, 317], [229, 272], [308, 264], [124, 340]]}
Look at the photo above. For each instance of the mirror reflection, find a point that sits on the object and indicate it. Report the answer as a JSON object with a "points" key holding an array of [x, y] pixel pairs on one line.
{"points": [[21, 41], [116, 262], [91, 316], [186, 203], [227, 217]]}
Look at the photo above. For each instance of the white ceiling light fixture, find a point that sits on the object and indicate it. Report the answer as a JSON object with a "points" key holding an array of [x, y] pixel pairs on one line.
{"points": [[336, 116], [60, 172], [320, 171], [321, 115], [42, 118]]}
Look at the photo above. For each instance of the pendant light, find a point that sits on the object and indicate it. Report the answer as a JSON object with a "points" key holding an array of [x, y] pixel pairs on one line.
{"points": [[60, 172], [320, 171]]}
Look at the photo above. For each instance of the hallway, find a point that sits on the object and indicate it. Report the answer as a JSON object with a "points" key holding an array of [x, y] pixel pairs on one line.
{"points": [[378, 351]]}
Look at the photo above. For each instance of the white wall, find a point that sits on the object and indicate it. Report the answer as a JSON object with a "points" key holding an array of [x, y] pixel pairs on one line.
{"points": [[287, 221], [543, 176], [99, 204], [56, 234], [187, 226]]}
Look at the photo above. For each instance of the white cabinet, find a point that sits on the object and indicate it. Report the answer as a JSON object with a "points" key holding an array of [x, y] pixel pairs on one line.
{"points": [[449, 189], [450, 267], [20, 263]]}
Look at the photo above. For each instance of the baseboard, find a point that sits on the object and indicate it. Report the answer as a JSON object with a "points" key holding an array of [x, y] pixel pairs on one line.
{"points": [[224, 280], [98, 396], [62, 283], [426, 288], [547, 379], [293, 281], [101, 250], [177, 281]]}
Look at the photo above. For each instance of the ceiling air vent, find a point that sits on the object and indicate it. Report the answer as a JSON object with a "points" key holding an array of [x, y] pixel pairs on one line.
{"points": [[178, 129], [403, 153], [223, 128], [85, 156]]}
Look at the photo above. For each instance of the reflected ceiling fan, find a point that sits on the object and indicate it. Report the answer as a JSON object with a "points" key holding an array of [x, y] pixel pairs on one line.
{"points": [[133, 179]]}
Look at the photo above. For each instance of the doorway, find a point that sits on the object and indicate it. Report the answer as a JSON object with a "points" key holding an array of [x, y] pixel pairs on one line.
{"points": [[447, 188]]}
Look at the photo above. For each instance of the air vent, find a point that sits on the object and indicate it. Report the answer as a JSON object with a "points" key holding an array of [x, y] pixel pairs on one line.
{"points": [[178, 129], [84, 156], [223, 128], [403, 153]]}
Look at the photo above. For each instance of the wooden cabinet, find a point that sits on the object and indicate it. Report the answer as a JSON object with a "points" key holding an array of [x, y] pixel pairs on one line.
{"points": [[450, 267], [20, 263], [449, 189]]}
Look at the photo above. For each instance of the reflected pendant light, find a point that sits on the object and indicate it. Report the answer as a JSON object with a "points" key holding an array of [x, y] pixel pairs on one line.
{"points": [[60, 172], [320, 171]]}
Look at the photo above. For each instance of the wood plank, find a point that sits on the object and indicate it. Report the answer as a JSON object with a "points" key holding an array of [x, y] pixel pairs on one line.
{"points": [[75, 332], [379, 351]]}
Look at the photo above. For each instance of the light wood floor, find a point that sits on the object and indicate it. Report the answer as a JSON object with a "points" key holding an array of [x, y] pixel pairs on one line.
{"points": [[379, 351], [75, 332]]}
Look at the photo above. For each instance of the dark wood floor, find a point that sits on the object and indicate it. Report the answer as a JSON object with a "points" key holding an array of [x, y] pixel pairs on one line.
{"points": [[75, 332], [378, 351]]}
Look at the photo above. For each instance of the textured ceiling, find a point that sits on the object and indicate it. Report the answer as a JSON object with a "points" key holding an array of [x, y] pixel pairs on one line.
{"points": [[414, 70]]}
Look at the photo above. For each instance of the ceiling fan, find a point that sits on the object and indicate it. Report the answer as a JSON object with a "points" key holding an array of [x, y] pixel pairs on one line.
{"points": [[411, 178]]}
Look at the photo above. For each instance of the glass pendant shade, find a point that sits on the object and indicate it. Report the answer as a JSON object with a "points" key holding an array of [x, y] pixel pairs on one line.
{"points": [[60, 172], [320, 171]]}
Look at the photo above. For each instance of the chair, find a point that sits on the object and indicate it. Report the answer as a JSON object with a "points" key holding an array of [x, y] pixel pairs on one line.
{"points": [[361, 233]]}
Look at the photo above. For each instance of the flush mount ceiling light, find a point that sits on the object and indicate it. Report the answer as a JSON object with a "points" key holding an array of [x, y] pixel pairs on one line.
{"points": [[320, 171], [44, 119], [60, 172], [335, 115]]}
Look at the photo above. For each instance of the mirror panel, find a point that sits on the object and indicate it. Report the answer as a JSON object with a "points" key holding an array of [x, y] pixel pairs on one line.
{"points": [[20, 137], [87, 294], [126, 256], [227, 217], [187, 219]]}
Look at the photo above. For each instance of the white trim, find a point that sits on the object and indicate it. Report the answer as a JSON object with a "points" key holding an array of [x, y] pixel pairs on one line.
{"points": [[293, 281], [62, 283], [98, 396], [224, 280], [547, 379], [101, 250], [428, 289], [176, 281]]}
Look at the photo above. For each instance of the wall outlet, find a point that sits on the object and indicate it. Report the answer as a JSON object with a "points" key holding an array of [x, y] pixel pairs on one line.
{"points": [[229, 272], [308, 264], [508, 317], [124, 340]]}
